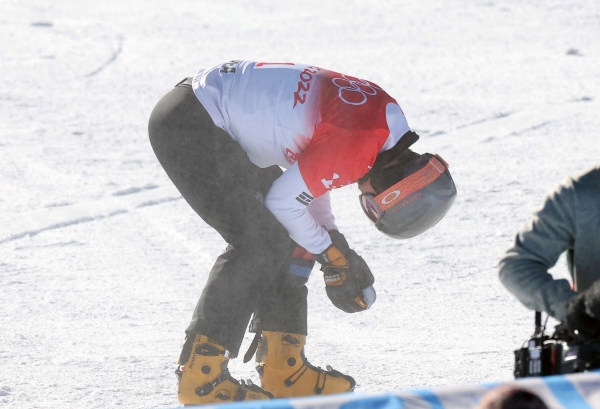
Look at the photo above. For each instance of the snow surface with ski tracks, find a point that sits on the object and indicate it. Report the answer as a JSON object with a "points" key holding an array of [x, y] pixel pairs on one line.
{"points": [[102, 262]]}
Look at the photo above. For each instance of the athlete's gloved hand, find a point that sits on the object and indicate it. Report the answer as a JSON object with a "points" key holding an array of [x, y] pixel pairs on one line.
{"points": [[583, 313], [348, 279]]}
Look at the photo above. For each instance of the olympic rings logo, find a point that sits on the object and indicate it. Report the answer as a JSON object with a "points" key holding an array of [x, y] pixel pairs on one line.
{"points": [[354, 91]]}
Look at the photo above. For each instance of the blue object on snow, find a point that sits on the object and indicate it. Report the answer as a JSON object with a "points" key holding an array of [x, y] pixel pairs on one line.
{"points": [[573, 391]]}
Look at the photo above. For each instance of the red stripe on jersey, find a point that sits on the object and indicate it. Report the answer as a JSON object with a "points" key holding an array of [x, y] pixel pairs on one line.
{"points": [[333, 159], [352, 131]]}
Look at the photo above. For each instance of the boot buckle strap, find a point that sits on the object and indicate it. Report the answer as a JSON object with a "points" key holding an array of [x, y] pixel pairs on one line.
{"points": [[293, 378], [209, 350], [208, 387], [204, 389]]}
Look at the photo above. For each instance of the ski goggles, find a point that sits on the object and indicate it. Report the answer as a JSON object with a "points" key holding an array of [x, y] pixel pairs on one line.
{"points": [[415, 203]]}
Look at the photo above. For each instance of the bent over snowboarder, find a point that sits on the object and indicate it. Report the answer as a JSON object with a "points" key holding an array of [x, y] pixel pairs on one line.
{"points": [[222, 138]]}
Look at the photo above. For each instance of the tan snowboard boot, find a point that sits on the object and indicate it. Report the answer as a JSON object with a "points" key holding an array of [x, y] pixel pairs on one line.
{"points": [[204, 377], [285, 372]]}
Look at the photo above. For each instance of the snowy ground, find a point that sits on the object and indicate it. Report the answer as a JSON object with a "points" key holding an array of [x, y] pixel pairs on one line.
{"points": [[101, 262]]}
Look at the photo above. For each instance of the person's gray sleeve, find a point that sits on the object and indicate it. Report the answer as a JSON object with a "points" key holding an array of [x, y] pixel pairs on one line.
{"points": [[524, 268]]}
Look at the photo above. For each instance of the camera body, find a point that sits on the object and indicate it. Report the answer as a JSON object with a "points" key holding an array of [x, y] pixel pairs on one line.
{"points": [[558, 354]]}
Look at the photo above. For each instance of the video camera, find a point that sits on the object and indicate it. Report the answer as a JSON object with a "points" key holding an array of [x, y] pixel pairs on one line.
{"points": [[560, 353]]}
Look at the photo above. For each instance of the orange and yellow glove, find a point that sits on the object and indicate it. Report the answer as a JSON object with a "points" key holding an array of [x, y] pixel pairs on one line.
{"points": [[348, 279]]}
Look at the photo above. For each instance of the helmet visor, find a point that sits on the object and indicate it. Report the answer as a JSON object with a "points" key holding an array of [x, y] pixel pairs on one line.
{"points": [[370, 206]]}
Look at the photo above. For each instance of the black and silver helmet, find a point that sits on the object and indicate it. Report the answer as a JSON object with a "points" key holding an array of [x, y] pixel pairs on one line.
{"points": [[421, 196]]}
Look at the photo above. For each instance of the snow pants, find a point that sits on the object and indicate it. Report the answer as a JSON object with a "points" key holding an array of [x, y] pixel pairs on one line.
{"points": [[262, 271]]}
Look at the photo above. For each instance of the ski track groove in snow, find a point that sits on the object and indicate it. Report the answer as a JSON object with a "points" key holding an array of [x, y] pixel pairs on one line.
{"points": [[35, 222], [112, 59]]}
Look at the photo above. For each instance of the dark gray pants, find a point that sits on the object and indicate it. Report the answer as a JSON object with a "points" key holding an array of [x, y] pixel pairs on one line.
{"points": [[258, 272]]}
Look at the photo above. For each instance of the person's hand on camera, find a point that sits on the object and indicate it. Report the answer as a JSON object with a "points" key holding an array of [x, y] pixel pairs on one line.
{"points": [[348, 279], [583, 313]]}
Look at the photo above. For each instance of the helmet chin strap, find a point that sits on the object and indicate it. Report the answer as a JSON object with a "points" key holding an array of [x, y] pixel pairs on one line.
{"points": [[386, 157]]}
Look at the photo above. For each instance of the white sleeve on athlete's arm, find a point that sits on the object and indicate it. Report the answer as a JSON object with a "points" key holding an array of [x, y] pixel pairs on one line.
{"points": [[320, 209], [288, 200]]}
